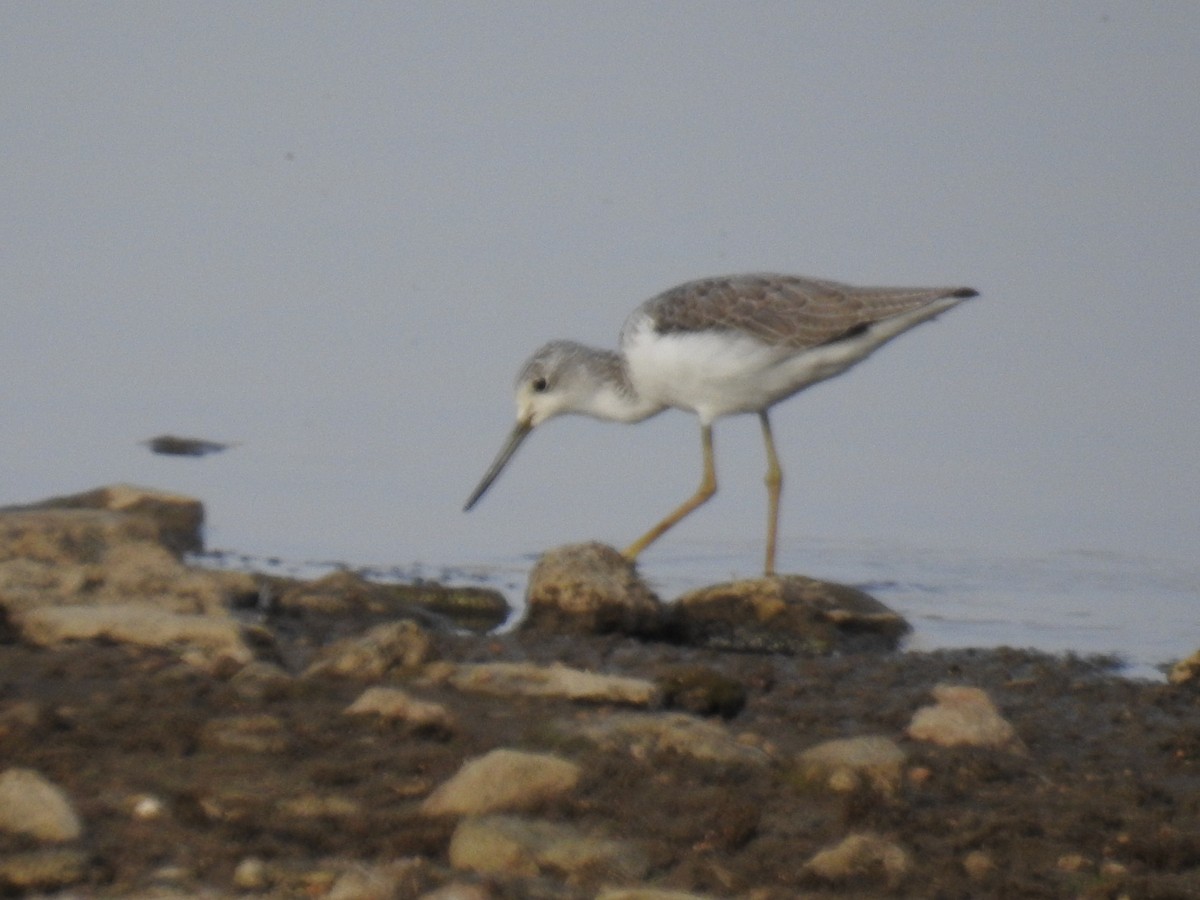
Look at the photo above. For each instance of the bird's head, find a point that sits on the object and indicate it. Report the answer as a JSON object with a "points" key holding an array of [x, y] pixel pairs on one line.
{"points": [[552, 382]]}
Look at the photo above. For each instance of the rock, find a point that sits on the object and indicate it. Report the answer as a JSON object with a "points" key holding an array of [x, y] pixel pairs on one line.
{"points": [[509, 846], [643, 734], [589, 589], [648, 894], [858, 856], [393, 703], [502, 780], [255, 733], [260, 680], [41, 870], [978, 864], [208, 638], [1185, 670], [321, 806], [252, 874], [785, 614], [505, 679], [363, 882], [704, 691], [459, 891], [963, 717], [391, 647], [33, 806], [843, 765], [479, 609], [174, 520]]}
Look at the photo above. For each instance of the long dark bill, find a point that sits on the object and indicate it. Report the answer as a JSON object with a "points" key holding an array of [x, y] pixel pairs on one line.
{"points": [[510, 447]]}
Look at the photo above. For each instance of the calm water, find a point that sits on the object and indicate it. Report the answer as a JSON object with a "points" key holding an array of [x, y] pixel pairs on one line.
{"points": [[1141, 610], [332, 235]]}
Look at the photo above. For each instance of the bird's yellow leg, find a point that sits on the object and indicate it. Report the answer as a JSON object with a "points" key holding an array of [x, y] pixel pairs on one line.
{"points": [[774, 482], [708, 487]]}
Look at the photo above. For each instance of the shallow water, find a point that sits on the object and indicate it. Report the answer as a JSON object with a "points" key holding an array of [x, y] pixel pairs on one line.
{"points": [[1142, 611]]}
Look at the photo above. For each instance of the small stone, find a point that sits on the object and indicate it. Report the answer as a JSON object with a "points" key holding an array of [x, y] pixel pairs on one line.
{"points": [[256, 733], [260, 680], [978, 864], [393, 647], [321, 806], [1110, 868], [963, 716], [846, 763], [648, 894], [459, 891], [504, 679], [502, 780], [393, 703], [1072, 862], [365, 883], [31, 805], [251, 874], [858, 855], [590, 589], [147, 807], [509, 846], [642, 734], [41, 870]]}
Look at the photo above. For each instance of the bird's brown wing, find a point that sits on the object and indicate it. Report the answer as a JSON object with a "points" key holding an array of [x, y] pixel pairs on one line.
{"points": [[785, 310]]}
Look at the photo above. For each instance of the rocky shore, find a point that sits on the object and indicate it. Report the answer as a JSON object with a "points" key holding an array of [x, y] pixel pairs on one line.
{"points": [[171, 730]]}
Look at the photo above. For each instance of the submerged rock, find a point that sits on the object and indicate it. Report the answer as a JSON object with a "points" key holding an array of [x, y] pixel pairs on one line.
{"points": [[785, 614]]}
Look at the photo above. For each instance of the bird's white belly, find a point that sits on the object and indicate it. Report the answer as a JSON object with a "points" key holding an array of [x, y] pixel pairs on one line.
{"points": [[716, 374]]}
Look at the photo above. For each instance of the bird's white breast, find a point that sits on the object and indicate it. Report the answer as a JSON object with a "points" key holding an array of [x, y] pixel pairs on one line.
{"points": [[718, 373]]}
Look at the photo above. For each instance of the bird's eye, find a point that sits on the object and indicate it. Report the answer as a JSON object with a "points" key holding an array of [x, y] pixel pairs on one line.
{"points": [[540, 384]]}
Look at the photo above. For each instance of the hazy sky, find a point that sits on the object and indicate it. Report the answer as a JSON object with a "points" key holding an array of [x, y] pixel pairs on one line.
{"points": [[334, 231]]}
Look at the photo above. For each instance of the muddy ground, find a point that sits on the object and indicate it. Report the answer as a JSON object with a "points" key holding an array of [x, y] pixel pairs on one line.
{"points": [[1105, 803]]}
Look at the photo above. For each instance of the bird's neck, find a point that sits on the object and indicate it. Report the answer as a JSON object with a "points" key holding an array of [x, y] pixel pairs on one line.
{"points": [[613, 396]]}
